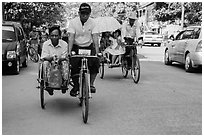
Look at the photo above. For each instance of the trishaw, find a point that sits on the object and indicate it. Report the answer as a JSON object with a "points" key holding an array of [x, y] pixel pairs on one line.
{"points": [[126, 65], [84, 82]]}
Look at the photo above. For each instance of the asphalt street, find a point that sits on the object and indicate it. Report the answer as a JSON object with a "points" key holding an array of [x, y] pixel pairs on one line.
{"points": [[166, 101]]}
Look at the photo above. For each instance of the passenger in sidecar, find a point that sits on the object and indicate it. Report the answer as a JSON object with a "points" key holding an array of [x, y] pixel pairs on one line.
{"points": [[55, 62]]}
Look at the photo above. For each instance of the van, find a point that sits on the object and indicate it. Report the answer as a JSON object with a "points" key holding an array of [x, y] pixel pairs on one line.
{"points": [[14, 50]]}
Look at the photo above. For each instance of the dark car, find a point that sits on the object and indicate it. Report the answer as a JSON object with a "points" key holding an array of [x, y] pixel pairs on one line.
{"points": [[14, 52]]}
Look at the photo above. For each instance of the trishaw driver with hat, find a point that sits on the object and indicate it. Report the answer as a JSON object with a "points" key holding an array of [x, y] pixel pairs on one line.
{"points": [[130, 31], [82, 35]]}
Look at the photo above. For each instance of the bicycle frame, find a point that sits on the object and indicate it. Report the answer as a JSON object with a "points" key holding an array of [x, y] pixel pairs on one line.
{"points": [[133, 49], [135, 65], [84, 86], [84, 70]]}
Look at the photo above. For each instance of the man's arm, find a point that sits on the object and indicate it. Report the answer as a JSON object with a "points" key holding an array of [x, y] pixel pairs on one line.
{"points": [[71, 42], [96, 42], [45, 55], [138, 34]]}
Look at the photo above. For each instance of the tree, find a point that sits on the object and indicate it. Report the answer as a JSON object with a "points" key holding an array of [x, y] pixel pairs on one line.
{"points": [[165, 11], [35, 12], [116, 9]]}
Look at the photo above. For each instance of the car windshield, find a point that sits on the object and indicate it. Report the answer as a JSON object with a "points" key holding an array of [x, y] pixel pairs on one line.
{"points": [[151, 33], [8, 34]]}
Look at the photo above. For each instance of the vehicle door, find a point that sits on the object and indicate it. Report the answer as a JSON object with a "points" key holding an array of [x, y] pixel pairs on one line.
{"points": [[21, 43], [187, 35], [175, 45]]}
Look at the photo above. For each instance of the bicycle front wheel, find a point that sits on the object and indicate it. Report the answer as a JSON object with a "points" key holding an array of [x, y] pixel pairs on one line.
{"points": [[41, 84], [85, 98], [135, 69]]}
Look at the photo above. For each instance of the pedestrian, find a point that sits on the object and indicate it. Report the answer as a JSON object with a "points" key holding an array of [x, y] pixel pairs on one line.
{"points": [[55, 49], [82, 35]]}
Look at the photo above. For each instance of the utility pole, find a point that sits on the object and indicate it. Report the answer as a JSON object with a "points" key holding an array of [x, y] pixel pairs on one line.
{"points": [[3, 14], [182, 14]]}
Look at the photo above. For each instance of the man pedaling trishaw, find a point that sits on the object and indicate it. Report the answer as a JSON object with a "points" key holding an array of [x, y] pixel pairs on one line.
{"points": [[130, 32]]}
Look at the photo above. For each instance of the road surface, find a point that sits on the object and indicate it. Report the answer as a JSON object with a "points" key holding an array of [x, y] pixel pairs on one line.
{"points": [[166, 101]]}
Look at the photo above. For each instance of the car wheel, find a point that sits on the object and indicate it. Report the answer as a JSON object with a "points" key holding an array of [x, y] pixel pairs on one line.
{"points": [[25, 63], [17, 67], [188, 63], [167, 60]]}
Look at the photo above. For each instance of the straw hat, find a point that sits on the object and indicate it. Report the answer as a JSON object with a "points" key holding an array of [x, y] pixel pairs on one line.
{"points": [[132, 15]]}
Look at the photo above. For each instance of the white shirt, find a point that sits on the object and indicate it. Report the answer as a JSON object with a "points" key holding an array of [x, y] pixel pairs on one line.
{"points": [[83, 34], [131, 32], [48, 50]]}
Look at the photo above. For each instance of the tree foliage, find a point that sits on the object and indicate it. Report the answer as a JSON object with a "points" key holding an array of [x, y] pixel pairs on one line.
{"points": [[41, 12], [116, 9], [165, 11], [35, 12]]}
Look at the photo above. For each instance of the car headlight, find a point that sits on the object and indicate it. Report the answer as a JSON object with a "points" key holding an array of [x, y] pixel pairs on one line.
{"points": [[11, 55]]}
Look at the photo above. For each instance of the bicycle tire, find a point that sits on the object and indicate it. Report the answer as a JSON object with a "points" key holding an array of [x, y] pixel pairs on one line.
{"points": [[33, 54], [85, 98], [101, 70], [41, 83], [135, 69]]}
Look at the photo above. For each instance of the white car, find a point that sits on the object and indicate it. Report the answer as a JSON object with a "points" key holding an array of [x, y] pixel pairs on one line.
{"points": [[152, 37], [185, 48]]}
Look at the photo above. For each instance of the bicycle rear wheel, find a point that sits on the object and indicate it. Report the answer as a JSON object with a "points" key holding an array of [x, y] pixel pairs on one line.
{"points": [[85, 98], [135, 70], [33, 54]]}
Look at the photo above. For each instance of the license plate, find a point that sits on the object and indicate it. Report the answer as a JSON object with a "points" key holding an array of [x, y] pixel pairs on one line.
{"points": [[84, 52], [154, 39]]}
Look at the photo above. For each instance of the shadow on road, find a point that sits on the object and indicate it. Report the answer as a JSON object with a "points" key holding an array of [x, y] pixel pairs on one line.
{"points": [[182, 67], [62, 105]]}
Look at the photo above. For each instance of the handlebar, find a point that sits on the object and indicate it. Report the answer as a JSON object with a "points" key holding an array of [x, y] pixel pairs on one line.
{"points": [[83, 56], [134, 45]]}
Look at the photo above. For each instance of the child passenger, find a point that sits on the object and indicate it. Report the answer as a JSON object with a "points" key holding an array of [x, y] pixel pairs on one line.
{"points": [[116, 49]]}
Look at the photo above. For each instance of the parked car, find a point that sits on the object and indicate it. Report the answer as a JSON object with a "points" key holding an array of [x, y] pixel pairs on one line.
{"points": [[152, 37], [14, 52], [185, 48]]}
